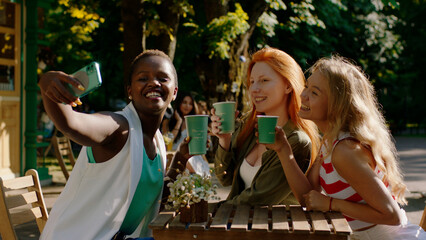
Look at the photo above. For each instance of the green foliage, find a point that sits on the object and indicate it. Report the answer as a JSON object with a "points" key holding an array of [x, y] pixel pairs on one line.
{"points": [[276, 4], [70, 27], [83, 32], [267, 23], [303, 13], [222, 31], [155, 25], [385, 37], [404, 100]]}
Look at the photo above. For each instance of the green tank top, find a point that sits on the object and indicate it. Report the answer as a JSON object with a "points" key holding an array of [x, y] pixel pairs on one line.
{"points": [[146, 194]]}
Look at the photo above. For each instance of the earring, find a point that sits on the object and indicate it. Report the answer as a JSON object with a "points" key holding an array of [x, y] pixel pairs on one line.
{"points": [[130, 97]]}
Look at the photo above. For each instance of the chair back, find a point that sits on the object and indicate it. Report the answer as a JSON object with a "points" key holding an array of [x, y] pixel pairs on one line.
{"points": [[21, 201], [62, 146], [423, 220]]}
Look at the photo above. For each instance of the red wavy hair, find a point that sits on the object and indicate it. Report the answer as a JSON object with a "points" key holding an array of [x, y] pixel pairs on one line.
{"points": [[288, 68]]}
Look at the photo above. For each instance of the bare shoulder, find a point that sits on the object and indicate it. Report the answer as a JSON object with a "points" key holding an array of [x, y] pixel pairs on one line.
{"points": [[120, 125], [116, 117], [115, 136], [103, 127], [350, 154]]}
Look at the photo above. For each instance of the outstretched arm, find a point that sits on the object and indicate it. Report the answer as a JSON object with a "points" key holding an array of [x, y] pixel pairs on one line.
{"points": [[105, 130]]}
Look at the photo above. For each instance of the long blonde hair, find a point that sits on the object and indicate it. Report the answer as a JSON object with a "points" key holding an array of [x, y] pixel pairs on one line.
{"points": [[288, 68], [353, 108]]}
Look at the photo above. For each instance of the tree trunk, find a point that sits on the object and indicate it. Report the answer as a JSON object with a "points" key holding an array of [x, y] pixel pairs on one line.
{"points": [[132, 33], [237, 68], [215, 8], [221, 72], [167, 41]]}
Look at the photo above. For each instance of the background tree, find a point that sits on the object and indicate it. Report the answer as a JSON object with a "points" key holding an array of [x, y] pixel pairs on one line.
{"points": [[403, 96], [211, 42], [81, 32], [213, 34]]}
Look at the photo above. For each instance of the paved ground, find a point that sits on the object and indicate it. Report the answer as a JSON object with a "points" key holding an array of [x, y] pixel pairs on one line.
{"points": [[412, 153]]}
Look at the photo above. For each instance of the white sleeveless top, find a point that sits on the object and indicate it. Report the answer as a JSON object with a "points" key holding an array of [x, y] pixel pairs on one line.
{"points": [[247, 173], [111, 185]]}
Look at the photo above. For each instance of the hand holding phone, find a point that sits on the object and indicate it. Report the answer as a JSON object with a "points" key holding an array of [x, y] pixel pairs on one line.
{"points": [[90, 78]]}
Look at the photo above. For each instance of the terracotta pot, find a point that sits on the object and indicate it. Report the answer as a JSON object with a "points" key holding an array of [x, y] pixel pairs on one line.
{"points": [[197, 212]]}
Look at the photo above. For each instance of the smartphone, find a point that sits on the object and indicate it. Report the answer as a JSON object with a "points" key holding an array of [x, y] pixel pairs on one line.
{"points": [[90, 78]]}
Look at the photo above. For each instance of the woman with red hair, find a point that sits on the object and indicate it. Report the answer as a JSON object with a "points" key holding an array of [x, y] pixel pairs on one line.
{"points": [[274, 82]]}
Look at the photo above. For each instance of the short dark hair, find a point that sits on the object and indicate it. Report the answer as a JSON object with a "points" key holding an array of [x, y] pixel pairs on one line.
{"points": [[150, 53]]}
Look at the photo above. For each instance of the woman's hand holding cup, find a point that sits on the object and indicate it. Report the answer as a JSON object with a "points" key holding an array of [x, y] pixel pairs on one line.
{"points": [[224, 138], [281, 143]]}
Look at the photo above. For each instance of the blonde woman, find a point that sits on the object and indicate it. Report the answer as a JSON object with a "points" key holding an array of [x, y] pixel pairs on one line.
{"points": [[357, 166], [274, 82]]}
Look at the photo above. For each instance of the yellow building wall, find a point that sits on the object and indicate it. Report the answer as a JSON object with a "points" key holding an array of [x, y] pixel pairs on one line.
{"points": [[10, 88]]}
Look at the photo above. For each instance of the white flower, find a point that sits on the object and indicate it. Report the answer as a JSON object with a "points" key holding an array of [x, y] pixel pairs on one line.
{"points": [[188, 189]]}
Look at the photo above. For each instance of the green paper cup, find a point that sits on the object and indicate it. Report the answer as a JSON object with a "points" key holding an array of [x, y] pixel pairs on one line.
{"points": [[226, 112], [266, 128], [196, 127]]}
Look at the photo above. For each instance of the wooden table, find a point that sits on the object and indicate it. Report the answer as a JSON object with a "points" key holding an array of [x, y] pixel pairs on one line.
{"points": [[260, 222]]}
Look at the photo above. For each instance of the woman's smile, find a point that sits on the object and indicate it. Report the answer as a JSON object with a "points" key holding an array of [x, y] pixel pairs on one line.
{"points": [[153, 95], [268, 89]]}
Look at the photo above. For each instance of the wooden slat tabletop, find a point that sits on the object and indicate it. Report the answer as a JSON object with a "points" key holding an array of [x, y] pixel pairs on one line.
{"points": [[299, 221], [241, 217], [319, 223], [220, 220], [279, 219], [259, 222], [161, 220], [339, 223], [260, 219]]}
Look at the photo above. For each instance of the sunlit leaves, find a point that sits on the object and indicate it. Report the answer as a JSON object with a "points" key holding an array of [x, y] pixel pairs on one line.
{"points": [[379, 33], [304, 14], [223, 30], [73, 24], [64, 3], [391, 3], [267, 22], [155, 25], [88, 23], [277, 4]]}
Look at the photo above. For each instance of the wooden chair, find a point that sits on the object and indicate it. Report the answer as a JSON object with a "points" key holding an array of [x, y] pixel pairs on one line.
{"points": [[62, 146], [15, 197], [423, 220], [170, 155]]}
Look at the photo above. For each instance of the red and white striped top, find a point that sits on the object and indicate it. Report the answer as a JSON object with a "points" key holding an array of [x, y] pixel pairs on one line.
{"points": [[337, 187]]}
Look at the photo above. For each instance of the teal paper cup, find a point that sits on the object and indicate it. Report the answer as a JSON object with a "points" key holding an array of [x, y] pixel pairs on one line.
{"points": [[226, 112], [196, 127], [266, 128]]}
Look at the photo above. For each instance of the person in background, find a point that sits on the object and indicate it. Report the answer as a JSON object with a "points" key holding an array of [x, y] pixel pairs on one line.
{"points": [[274, 83], [45, 125], [166, 119], [123, 156], [203, 108], [357, 170], [185, 105]]}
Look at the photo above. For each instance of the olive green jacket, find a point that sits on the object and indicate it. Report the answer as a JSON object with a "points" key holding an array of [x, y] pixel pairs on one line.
{"points": [[269, 185]]}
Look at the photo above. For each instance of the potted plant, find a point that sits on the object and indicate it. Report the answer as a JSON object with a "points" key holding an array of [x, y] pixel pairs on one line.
{"points": [[189, 195]]}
